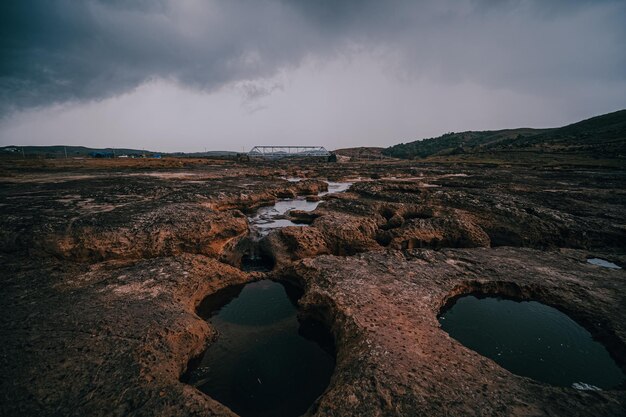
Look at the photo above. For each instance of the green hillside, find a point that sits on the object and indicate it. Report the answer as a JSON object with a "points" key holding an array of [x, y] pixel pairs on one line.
{"points": [[599, 137]]}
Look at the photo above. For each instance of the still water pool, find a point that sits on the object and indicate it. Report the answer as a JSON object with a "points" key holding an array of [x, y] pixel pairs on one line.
{"points": [[532, 339], [264, 361]]}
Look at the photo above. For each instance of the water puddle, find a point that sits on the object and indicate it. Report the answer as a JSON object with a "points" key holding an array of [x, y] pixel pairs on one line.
{"points": [[336, 187], [272, 217], [533, 340], [603, 263], [264, 361], [269, 218]]}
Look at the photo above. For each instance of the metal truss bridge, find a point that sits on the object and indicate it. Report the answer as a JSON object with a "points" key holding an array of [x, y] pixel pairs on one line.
{"points": [[279, 152]]}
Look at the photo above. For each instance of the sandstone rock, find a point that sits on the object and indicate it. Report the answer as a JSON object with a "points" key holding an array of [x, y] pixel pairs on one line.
{"points": [[165, 231], [292, 243], [113, 333], [394, 359], [302, 216], [110, 341], [347, 235]]}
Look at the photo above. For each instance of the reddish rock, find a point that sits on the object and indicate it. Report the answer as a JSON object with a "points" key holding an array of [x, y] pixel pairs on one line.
{"points": [[394, 359], [302, 216], [347, 235], [165, 231], [113, 333], [292, 243]]}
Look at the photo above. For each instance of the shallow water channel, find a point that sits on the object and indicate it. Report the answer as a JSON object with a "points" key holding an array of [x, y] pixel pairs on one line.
{"points": [[603, 263], [271, 217], [533, 340], [264, 361]]}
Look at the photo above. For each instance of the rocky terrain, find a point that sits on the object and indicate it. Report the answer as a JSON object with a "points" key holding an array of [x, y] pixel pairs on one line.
{"points": [[104, 263]]}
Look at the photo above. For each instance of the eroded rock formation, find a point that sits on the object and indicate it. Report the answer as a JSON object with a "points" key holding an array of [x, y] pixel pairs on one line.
{"points": [[101, 274]]}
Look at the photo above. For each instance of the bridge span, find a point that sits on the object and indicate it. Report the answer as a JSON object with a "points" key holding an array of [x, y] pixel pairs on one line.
{"points": [[280, 152]]}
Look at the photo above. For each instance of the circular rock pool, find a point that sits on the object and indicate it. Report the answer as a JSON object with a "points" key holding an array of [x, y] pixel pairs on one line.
{"points": [[533, 340], [264, 362]]}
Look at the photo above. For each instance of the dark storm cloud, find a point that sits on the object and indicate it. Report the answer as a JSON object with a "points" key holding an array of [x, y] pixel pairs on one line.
{"points": [[54, 51], [59, 50]]}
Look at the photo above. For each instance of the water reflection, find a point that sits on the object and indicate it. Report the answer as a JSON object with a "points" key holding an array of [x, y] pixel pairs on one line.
{"points": [[603, 263], [532, 339], [272, 217], [264, 361]]}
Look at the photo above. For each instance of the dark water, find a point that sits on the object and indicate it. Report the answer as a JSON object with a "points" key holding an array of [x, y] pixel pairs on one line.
{"points": [[264, 362], [256, 262], [531, 339]]}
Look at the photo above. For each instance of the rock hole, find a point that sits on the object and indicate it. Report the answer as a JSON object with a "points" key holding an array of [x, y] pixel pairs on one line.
{"points": [[387, 212], [249, 255], [265, 360], [257, 261], [533, 340], [383, 238]]}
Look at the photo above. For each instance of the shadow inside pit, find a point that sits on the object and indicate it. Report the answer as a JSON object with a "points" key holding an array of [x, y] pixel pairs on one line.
{"points": [[257, 263], [254, 258], [265, 361], [531, 339]]}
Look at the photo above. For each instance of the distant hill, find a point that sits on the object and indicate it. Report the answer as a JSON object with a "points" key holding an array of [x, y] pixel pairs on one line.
{"points": [[599, 137], [361, 152], [60, 151], [202, 154]]}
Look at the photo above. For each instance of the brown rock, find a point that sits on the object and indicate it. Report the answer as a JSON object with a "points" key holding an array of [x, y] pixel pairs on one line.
{"points": [[114, 337], [165, 231], [394, 359], [292, 243], [302, 216], [347, 235]]}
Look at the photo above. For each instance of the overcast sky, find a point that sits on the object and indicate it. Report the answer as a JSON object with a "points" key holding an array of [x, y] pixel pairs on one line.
{"points": [[189, 75]]}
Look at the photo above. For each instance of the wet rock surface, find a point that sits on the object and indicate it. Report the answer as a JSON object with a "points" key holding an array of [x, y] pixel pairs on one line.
{"points": [[103, 267]]}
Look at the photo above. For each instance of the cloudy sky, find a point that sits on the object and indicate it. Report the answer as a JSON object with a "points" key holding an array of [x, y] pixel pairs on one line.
{"points": [[189, 75]]}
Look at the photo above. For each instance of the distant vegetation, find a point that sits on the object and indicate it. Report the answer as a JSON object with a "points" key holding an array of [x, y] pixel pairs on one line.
{"points": [[599, 137], [366, 153], [60, 151]]}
